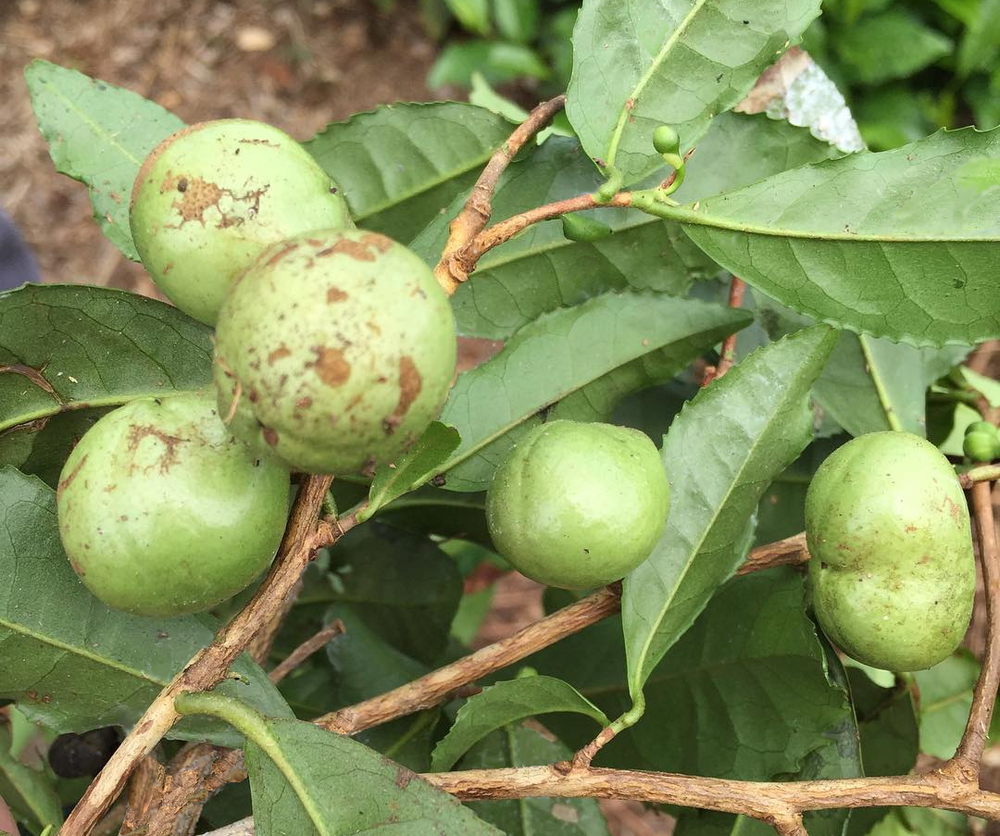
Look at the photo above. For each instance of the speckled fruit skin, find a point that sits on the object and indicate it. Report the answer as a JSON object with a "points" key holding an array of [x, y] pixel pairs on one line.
{"points": [[578, 505], [162, 512], [337, 349], [892, 575], [211, 197]]}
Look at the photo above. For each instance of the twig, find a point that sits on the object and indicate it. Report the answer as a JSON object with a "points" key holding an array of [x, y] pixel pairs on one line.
{"points": [[437, 686], [478, 208], [970, 751], [737, 289], [305, 650], [302, 537], [788, 552], [778, 803]]}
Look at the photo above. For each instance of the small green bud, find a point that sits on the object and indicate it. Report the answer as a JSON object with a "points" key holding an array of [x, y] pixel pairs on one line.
{"points": [[982, 446], [981, 427], [579, 228], [666, 140]]}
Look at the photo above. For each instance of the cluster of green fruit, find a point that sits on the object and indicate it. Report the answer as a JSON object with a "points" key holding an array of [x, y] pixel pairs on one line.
{"points": [[334, 350], [982, 442]]}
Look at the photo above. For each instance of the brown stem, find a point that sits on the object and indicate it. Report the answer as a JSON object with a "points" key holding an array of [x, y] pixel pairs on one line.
{"points": [[727, 356], [438, 686], [306, 649], [504, 230], [208, 667], [788, 552], [583, 758], [779, 804], [768, 802], [970, 751], [478, 208]]}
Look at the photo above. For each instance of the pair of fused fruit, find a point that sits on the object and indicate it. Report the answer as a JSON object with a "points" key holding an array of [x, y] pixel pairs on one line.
{"points": [[334, 349], [982, 442], [891, 575]]}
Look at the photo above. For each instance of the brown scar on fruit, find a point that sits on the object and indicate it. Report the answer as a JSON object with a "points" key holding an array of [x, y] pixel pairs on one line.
{"points": [[335, 294], [410, 384], [379, 242], [199, 195], [65, 483], [304, 403], [280, 254], [278, 354], [331, 366], [953, 509], [34, 375], [352, 249], [266, 142], [168, 458], [270, 435]]}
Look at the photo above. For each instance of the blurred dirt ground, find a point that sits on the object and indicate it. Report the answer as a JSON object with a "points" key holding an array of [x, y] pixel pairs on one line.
{"points": [[297, 64]]}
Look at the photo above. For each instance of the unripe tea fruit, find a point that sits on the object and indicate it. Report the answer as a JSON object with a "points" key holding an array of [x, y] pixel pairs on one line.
{"points": [[334, 351], [578, 505], [981, 446], [891, 573], [162, 512], [211, 197], [666, 140]]}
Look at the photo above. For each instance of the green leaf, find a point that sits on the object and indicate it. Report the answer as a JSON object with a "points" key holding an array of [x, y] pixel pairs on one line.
{"points": [[746, 692], [524, 745], [442, 512], [401, 585], [399, 164], [503, 704], [68, 347], [99, 135], [638, 64], [291, 764], [416, 467], [979, 46], [474, 15], [908, 256], [517, 20], [497, 61], [893, 44], [870, 384], [42, 447], [540, 270], [70, 662], [721, 452], [945, 699], [564, 353], [29, 792]]}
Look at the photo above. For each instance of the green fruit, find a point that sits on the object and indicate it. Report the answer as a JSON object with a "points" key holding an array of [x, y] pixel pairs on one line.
{"points": [[982, 446], [211, 197], [334, 351], [892, 575], [581, 228], [162, 512], [981, 427], [578, 505], [666, 140]]}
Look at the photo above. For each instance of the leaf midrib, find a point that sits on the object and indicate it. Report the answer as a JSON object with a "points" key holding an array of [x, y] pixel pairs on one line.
{"points": [[661, 56]]}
